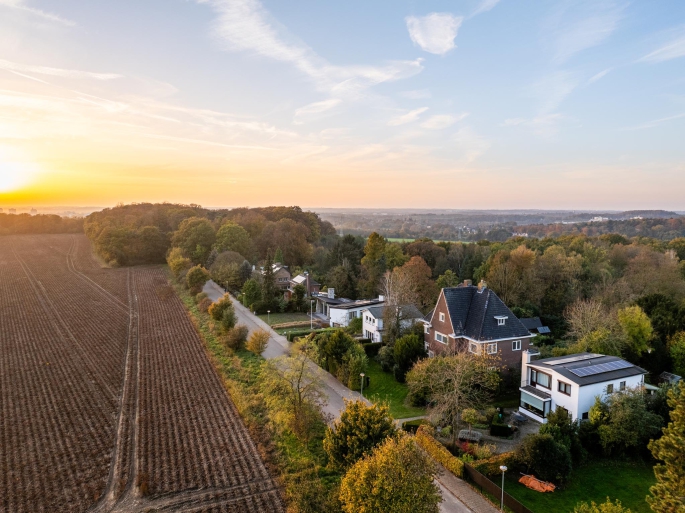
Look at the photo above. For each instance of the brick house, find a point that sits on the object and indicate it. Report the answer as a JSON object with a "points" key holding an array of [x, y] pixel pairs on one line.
{"points": [[474, 319], [281, 276]]}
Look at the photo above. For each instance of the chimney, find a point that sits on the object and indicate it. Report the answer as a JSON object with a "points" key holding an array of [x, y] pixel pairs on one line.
{"points": [[468, 283], [381, 298], [309, 291], [331, 293], [482, 285], [527, 356]]}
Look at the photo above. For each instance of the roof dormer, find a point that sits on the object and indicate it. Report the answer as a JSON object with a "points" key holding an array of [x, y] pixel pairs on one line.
{"points": [[501, 319]]}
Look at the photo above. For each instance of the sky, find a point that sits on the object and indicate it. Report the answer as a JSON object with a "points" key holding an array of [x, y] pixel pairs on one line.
{"points": [[384, 104]]}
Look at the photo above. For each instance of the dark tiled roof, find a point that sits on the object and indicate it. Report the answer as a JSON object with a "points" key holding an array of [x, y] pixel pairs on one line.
{"points": [[408, 312], [564, 364], [531, 323], [473, 313]]}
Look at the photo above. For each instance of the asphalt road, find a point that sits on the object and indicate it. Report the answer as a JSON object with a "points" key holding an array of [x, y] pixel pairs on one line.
{"points": [[334, 390]]}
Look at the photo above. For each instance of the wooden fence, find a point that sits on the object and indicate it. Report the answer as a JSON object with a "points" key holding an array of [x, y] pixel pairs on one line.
{"points": [[480, 480]]}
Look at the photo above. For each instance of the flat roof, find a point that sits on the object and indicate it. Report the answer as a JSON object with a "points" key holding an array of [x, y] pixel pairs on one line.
{"points": [[589, 368], [359, 304]]}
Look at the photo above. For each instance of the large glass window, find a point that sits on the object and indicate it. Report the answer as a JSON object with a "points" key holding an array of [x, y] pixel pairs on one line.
{"points": [[535, 405]]}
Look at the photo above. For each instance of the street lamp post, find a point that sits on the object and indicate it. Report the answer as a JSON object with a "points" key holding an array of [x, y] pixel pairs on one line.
{"points": [[362, 376], [311, 314], [503, 468], [268, 317]]}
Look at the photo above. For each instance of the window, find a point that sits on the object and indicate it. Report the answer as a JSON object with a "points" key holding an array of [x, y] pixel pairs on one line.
{"points": [[540, 378], [442, 317], [440, 338], [500, 322], [473, 347], [426, 329], [622, 386], [516, 345], [586, 415], [610, 388], [492, 348], [431, 354], [501, 319], [564, 388]]}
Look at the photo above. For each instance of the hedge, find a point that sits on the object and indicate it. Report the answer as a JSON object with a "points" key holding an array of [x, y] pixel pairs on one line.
{"points": [[371, 349], [490, 466], [438, 451], [411, 426], [500, 430]]}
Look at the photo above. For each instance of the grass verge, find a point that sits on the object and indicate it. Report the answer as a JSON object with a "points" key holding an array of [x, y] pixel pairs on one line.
{"points": [[627, 481], [383, 387], [282, 318], [308, 485]]}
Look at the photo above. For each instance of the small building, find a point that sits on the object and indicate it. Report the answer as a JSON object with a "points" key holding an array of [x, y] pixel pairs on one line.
{"points": [[534, 325], [572, 382], [281, 276], [475, 319], [341, 314], [372, 320], [311, 286], [326, 300]]}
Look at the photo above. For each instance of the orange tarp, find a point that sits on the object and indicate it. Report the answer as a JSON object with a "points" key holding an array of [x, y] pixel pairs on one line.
{"points": [[535, 484]]}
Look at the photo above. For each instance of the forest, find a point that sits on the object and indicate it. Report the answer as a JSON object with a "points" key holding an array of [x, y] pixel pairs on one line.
{"points": [[16, 224]]}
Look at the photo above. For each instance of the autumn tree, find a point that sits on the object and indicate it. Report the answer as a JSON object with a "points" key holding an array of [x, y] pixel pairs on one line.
{"points": [[359, 429], [196, 277], [452, 383], [636, 327], [605, 507], [233, 237], [291, 237], [195, 236], [676, 347], [585, 316], [258, 341], [447, 279], [177, 262], [222, 311], [397, 476], [512, 274], [668, 494]]}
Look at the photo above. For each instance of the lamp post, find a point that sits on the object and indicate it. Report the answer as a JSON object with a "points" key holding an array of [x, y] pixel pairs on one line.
{"points": [[503, 468], [268, 317], [362, 376], [311, 314]]}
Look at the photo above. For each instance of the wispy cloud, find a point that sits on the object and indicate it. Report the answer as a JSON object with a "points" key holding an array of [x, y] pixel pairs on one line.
{"points": [[577, 26], [410, 116], [55, 72], [419, 94], [312, 109], [484, 6], [20, 6], [671, 50], [656, 122], [470, 144], [442, 121], [553, 89], [246, 26], [435, 32], [600, 75]]}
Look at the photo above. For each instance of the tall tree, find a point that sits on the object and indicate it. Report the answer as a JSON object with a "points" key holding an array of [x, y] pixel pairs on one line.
{"points": [[637, 328], [668, 494], [195, 237], [269, 281], [233, 237], [374, 264]]}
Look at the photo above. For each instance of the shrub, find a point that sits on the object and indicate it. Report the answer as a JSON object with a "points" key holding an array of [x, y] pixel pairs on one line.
{"points": [[605, 507], [371, 349], [490, 466], [545, 457], [502, 430], [177, 262], [235, 337], [199, 297], [438, 452], [204, 305], [223, 312], [386, 357], [412, 426], [196, 278], [408, 350], [228, 319], [258, 341]]}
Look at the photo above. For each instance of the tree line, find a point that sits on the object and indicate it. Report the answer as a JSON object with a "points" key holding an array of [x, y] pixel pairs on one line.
{"points": [[16, 224]]}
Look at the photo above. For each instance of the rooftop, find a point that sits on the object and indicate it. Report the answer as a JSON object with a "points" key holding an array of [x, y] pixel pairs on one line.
{"points": [[359, 304], [589, 368], [408, 311]]}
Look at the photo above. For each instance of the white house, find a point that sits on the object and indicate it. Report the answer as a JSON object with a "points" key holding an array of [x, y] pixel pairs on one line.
{"points": [[372, 320], [341, 314], [572, 382]]}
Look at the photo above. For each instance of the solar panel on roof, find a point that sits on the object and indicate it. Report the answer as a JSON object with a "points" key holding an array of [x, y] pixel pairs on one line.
{"points": [[544, 329], [600, 368], [574, 358]]}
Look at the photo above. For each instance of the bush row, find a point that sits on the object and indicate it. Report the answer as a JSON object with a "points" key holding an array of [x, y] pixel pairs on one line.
{"points": [[370, 348], [438, 451], [292, 335]]}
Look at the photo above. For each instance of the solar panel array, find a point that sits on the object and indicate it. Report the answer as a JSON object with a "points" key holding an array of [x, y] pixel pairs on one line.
{"points": [[575, 358], [591, 370]]}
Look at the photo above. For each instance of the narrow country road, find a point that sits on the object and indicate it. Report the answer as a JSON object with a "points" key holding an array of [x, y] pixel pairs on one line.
{"points": [[335, 391]]}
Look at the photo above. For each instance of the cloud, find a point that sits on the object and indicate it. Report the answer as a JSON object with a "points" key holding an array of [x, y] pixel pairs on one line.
{"points": [[671, 50], [470, 144], [315, 108], [410, 116], [553, 90], [55, 72], [435, 32], [442, 121], [544, 125], [577, 26], [484, 6], [652, 124], [599, 75], [19, 5], [245, 26], [419, 94]]}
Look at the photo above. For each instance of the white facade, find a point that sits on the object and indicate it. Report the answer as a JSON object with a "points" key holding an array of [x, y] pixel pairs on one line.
{"points": [[341, 315], [543, 389], [372, 327]]}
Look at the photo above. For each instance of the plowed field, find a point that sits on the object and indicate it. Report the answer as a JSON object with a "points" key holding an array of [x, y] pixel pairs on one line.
{"points": [[108, 401]]}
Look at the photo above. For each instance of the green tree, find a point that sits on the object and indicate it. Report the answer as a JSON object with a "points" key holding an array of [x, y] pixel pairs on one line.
{"points": [[177, 262], [408, 350], [447, 279], [565, 431], [396, 477], [297, 301], [195, 236], [637, 328], [233, 237], [668, 494], [470, 416], [676, 347], [374, 264], [342, 278], [196, 278], [359, 429], [542, 455], [278, 256], [252, 292], [222, 311], [606, 507], [268, 283]]}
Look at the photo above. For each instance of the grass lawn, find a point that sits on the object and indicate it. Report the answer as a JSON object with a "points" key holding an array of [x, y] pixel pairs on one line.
{"points": [[627, 481], [280, 318], [384, 388]]}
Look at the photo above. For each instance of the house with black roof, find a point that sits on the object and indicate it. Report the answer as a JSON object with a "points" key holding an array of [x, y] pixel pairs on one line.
{"points": [[475, 319], [535, 326], [572, 382], [373, 319]]}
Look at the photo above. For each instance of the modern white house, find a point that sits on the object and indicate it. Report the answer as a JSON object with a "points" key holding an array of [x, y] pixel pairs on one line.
{"points": [[372, 325], [341, 314], [572, 382]]}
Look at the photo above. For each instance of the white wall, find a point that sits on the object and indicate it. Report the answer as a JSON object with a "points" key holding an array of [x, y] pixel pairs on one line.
{"points": [[589, 392]]}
